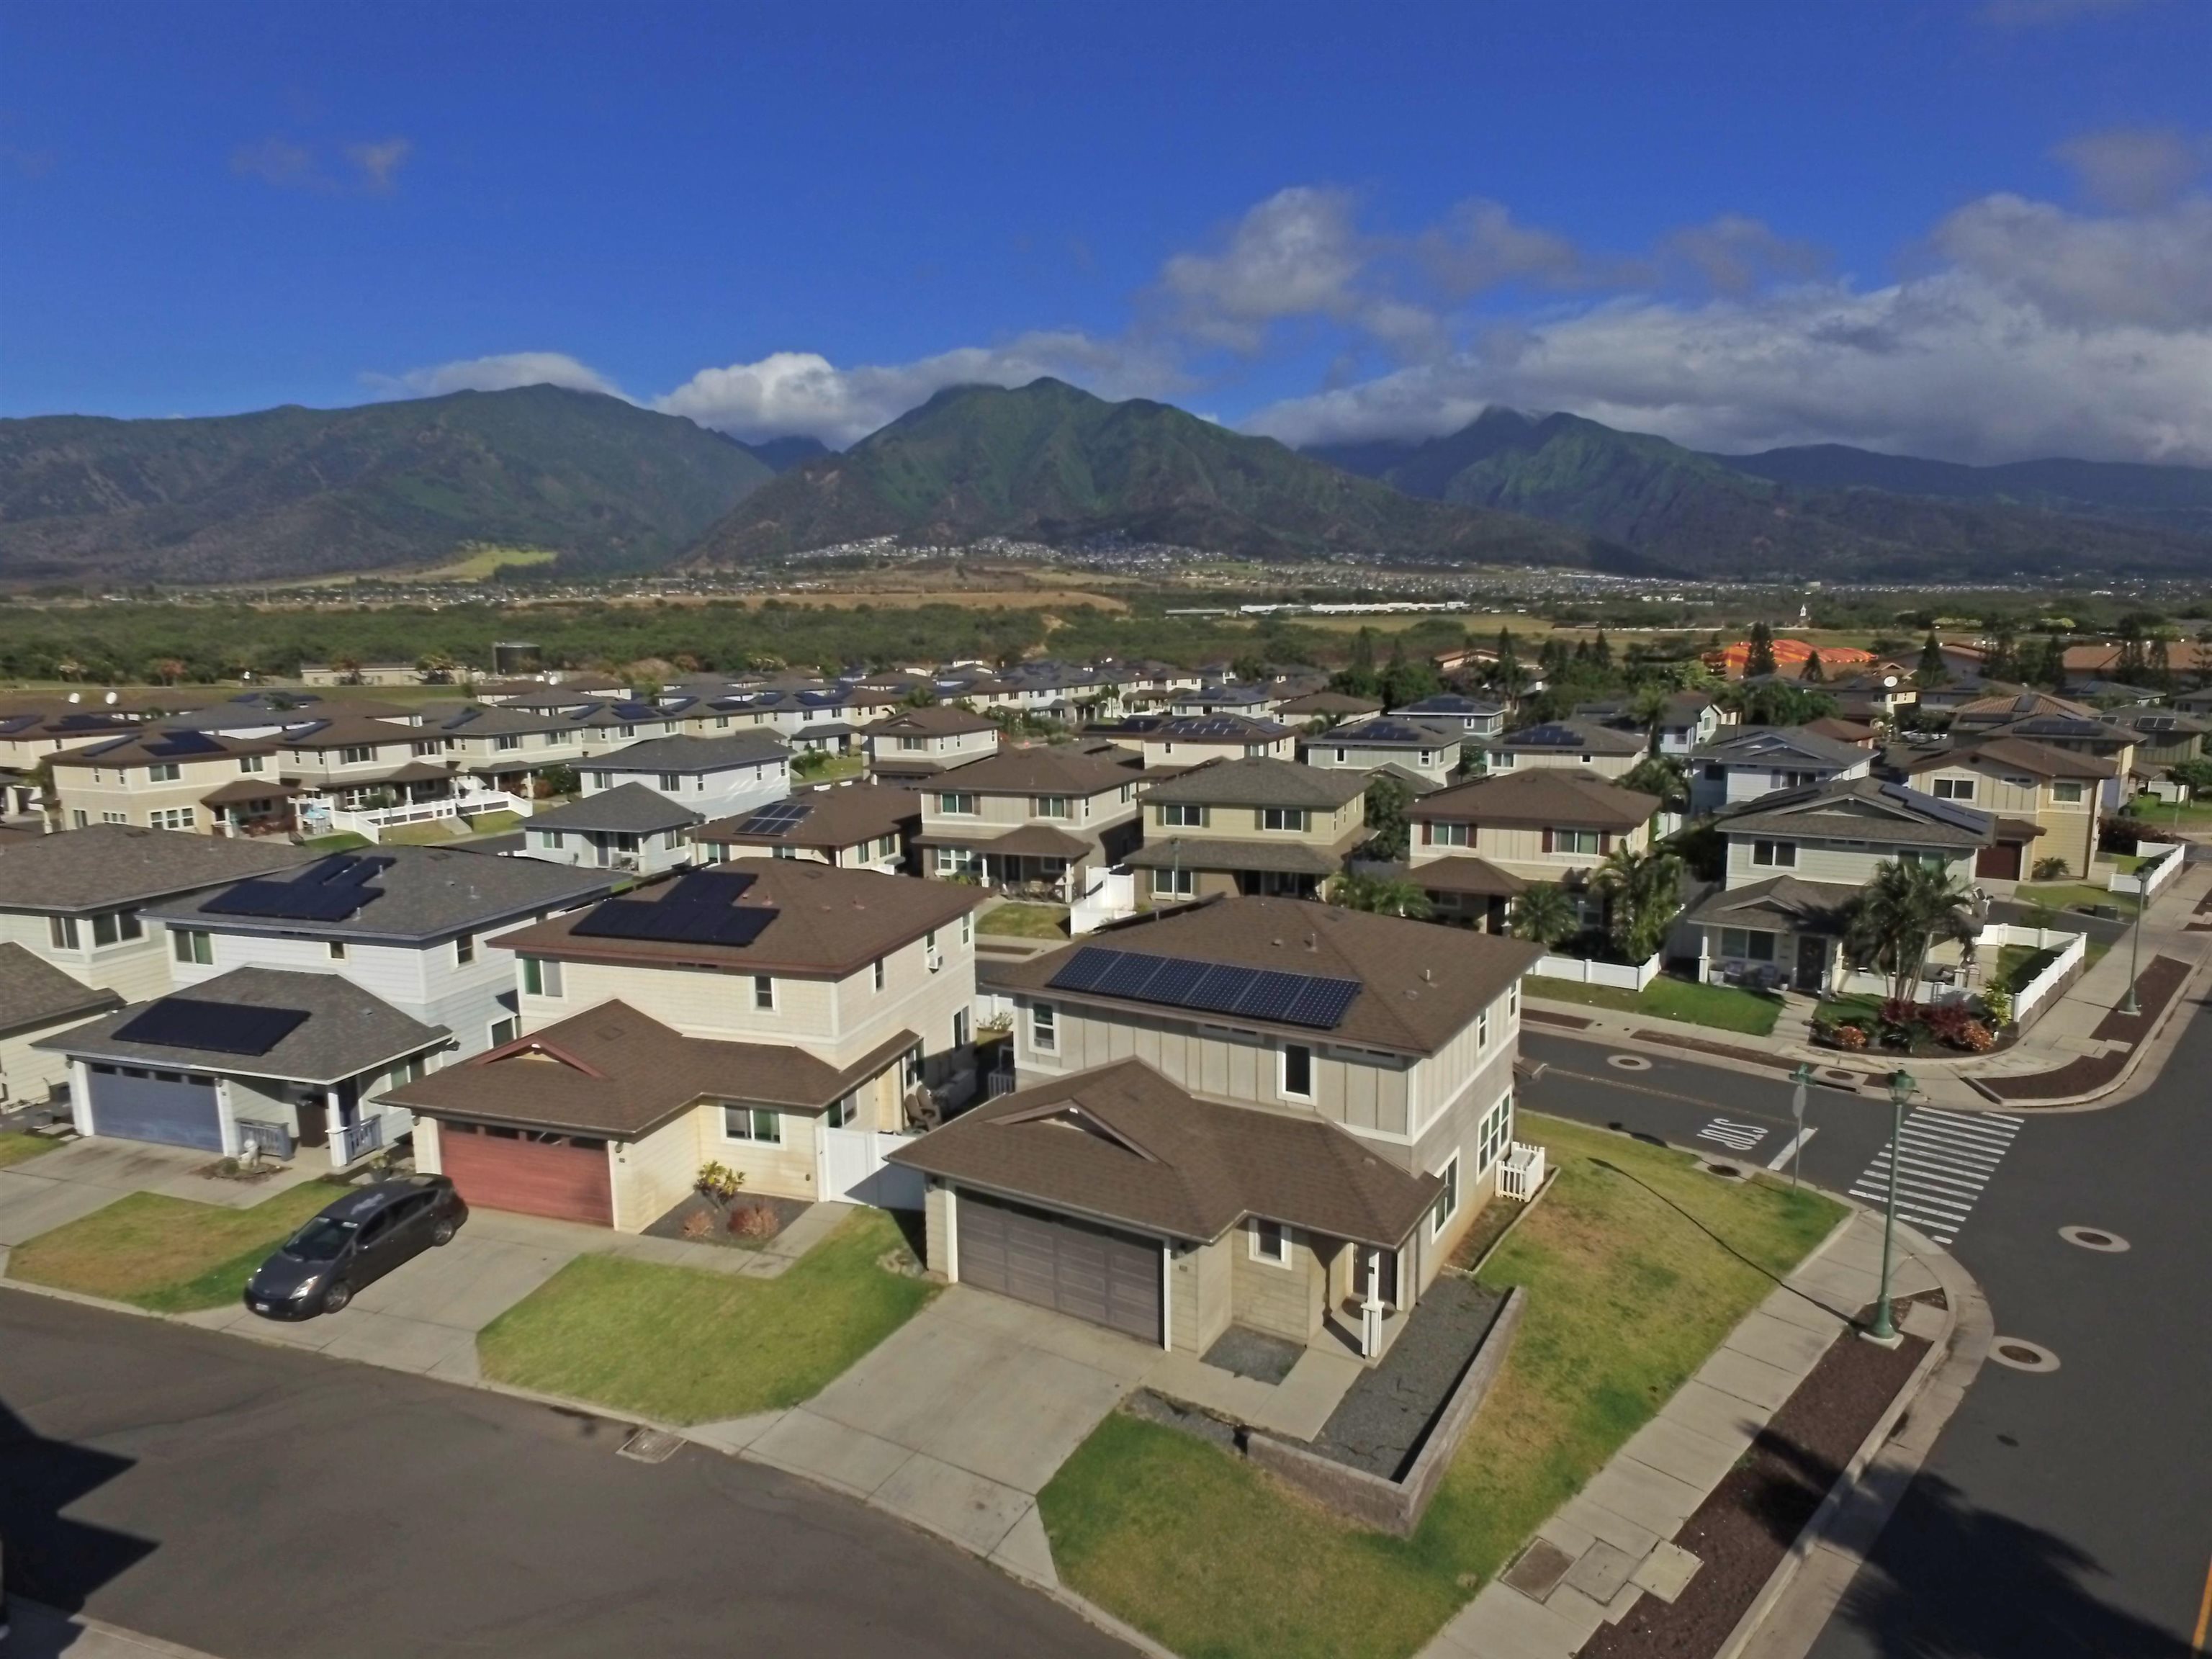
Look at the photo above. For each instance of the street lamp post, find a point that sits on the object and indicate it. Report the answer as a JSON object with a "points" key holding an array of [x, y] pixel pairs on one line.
{"points": [[1901, 1086], [2128, 1003]]}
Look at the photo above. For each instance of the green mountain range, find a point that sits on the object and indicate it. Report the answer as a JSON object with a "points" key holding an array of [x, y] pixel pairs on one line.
{"points": [[293, 492], [1046, 462], [1831, 510]]}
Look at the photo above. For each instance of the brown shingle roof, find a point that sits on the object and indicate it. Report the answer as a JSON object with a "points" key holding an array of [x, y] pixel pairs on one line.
{"points": [[1421, 984], [842, 815], [831, 922], [147, 747], [1539, 797], [1123, 1144], [2023, 753], [115, 864], [1297, 858], [1260, 781], [1036, 841], [945, 720], [35, 993], [612, 1071], [1045, 769], [1463, 872]]}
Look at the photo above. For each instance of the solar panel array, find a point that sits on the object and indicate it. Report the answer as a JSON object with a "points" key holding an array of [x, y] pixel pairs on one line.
{"points": [[171, 744], [1559, 737], [1215, 988], [1944, 811], [1211, 726], [329, 890], [699, 908], [775, 819], [215, 1028]]}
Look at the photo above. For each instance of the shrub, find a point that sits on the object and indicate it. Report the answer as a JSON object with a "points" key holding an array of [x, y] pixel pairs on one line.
{"points": [[2051, 870], [698, 1225], [718, 1182], [1996, 1005], [1948, 1024], [1976, 1037], [754, 1221], [1851, 1036]]}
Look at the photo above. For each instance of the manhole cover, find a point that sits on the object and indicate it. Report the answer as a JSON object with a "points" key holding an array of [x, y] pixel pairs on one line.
{"points": [[1628, 1062], [651, 1445], [2094, 1238], [1725, 1172], [1540, 1568], [2023, 1355]]}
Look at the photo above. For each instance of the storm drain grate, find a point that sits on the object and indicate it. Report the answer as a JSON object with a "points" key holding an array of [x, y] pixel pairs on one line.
{"points": [[650, 1445]]}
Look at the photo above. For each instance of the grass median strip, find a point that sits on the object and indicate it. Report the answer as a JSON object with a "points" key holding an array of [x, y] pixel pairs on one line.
{"points": [[169, 1254], [1025, 920], [1628, 1293], [688, 1346], [15, 1147]]}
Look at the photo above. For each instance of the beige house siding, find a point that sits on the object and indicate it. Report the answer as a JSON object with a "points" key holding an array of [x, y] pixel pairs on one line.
{"points": [[1606, 766], [2069, 831], [1200, 1297], [938, 1206], [28, 1075], [428, 1157], [1520, 850], [1848, 866], [1283, 1300], [1325, 830], [107, 794], [652, 1176], [135, 970]]}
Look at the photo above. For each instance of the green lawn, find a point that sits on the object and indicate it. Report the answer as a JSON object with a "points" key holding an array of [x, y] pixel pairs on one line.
{"points": [[1724, 1007], [1627, 1297], [345, 843], [1025, 920], [688, 1346], [2074, 896], [14, 1147], [828, 768], [170, 1255]]}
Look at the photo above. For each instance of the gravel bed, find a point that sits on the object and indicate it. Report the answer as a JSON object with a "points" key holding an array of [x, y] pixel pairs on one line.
{"points": [[1380, 1424], [1202, 1426], [787, 1210], [1254, 1354]]}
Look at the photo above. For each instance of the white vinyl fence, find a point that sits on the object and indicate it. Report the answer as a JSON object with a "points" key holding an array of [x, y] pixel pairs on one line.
{"points": [[1628, 977], [2162, 863], [1111, 894], [2046, 983], [373, 821]]}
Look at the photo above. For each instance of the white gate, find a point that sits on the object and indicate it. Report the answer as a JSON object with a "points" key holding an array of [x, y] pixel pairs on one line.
{"points": [[853, 1170]]}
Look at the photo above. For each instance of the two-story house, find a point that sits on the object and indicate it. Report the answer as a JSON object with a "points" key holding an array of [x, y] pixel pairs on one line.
{"points": [[1476, 847], [1253, 703], [919, 743], [1797, 863], [797, 1009], [1746, 762], [347, 761], [163, 779], [1478, 718], [2164, 739], [715, 777], [1254, 827], [1170, 743], [37, 999], [852, 826], [1040, 815], [2044, 803], [1426, 752], [1253, 1111], [629, 827], [1325, 707], [1582, 745]]}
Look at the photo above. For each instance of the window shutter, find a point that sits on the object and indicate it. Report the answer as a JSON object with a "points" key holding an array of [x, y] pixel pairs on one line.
{"points": [[1604, 841], [1547, 840], [1428, 835]]}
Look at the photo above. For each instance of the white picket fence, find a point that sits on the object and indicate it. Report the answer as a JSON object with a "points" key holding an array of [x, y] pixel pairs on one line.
{"points": [[2071, 947], [1111, 894], [372, 822], [2045, 984], [1629, 977], [2148, 877], [1522, 1172]]}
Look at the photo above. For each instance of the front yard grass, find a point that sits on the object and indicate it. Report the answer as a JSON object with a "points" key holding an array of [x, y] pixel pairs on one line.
{"points": [[15, 1146], [1025, 920], [1627, 1295], [2074, 896], [688, 1346], [1724, 1007], [169, 1254]]}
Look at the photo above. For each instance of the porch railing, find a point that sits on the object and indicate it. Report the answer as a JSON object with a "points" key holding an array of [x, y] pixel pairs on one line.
{"points": [[1522, 1173], [274, 1140], [353, 1141]]}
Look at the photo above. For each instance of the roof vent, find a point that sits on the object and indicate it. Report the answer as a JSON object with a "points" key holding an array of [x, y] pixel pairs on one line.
{"points": [[1428, 976]]}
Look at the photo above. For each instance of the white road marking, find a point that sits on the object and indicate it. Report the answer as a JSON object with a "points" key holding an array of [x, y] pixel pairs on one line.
{"points": [[1944, 1160], [1782, 1157], [1736, 1137]]}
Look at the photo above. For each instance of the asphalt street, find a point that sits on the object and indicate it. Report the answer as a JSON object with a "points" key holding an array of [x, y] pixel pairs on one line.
{"points": [[257, 1503], [2061, 1513]]}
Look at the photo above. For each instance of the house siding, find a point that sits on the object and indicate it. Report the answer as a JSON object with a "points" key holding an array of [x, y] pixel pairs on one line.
{"points": [[1285, 1300]]}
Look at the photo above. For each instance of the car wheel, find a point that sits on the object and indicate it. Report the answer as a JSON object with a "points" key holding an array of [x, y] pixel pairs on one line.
{"points": [[336, 1297], [442, 1233]]}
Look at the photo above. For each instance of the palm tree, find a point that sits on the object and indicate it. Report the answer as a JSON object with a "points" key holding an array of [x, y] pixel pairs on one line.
{"points": [[1648, 707], [1900, 916], [1645, 895], [1545, 914], [1381, 896], [1661, 776]]}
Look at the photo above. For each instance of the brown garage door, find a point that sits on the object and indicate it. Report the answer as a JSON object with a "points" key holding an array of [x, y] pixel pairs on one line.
{"points": [[1054, 1262], [559, 1176]]}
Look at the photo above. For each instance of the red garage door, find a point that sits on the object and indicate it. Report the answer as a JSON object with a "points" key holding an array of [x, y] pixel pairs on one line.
{"points": [[560, 1175]]}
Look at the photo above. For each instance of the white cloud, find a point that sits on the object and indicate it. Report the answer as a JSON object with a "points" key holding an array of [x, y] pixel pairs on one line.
{"points": [[379, 164], [2155, 270], [1733, 254], [1481, 245], [1299, 253], [2134, 169], [278, 161], [501, 372]]}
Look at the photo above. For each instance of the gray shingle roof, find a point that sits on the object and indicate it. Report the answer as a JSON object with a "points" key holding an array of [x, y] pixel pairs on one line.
{"points": [[107, 865], [694, 754], [1294, 858], [626, 809], [347, 1030], [1259, 781], [1861, 809], [1763, 744], [35, 993]]}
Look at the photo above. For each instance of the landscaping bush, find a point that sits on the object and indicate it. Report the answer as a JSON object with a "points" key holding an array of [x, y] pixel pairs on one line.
{"points": [[1996, 1005], [2051, 870], [1851, 1035], [1976, 1037]]}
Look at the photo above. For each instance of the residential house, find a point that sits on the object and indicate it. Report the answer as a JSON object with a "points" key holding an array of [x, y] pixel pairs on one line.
{"points": [[1984, 715], [1581, 745], [852, 826], [628, 828], [2164, 739], [1040, 815], [258, 1055], [2197, 703], [1876, 696], [919, 743], [1329, 707], [1255, 1111], [165, 779], [1857, 733], [1177, 741], [1252, 827], [1476, 847], [32, 734], [716, 777], [1797, 862], [76, 900], [361, 673], [1253, 703], [37, 999], [1426, 751], [797, 1010], [1686, 720], [1478, 718], [2114, 744], [347, 761], [1745, 763], [2044, 802]]}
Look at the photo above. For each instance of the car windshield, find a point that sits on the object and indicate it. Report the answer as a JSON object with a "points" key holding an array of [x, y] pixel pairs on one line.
{"points": [[320, 1240]]}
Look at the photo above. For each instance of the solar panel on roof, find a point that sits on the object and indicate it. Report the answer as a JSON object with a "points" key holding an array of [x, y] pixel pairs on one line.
{"points": [[776, 818], [1220, 988], [169, 745], [329, 890], [698, 908], [1944, 811], [218, 1028]]}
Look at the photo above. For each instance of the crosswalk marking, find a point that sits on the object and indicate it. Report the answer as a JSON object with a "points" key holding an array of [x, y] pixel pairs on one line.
{"points": [[1944, 1160], [1737, 1136]]}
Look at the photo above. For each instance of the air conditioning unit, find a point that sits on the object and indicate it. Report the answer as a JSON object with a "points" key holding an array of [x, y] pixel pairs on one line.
{"points": [[936, 961]]}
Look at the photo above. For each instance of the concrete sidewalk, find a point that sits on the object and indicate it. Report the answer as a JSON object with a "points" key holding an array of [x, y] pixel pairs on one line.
{"points": [[1609, 1546], [43, 1632]]}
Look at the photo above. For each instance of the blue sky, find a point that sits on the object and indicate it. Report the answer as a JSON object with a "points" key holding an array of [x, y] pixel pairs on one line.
{"points": [[1974, 229]]}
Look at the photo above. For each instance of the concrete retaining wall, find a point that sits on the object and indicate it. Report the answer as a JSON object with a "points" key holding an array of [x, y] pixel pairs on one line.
{"points": [[1396, 1506]]}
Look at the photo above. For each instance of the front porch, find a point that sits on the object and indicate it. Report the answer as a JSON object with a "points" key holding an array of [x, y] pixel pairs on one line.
{"points": [[1035, 863]]}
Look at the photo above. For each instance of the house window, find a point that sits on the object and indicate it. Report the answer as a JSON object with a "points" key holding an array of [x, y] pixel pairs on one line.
{"points": [[1495, 1131], [958, 807], [507, 740], [1447, 834], [190, 945], [166, 772], [1340, 756], [251, 762], [337, 950], [115, 926], [913, 743], [357, 755], [879, 973], [1297, 1072], [1051, 806], [2066, 794], [174, 818], [1044, 1028], [541, 978], [602, 780], [61, 931], [504, 1031], [1572, 841], [1954, 789], [783, 852], [752, 1123], [547, 839], [1504, 760], [1482, 1031], [465, 950], [1447, 1204], [1780, 855], [960, 1028], [1283, 817], [1271, 1242], [1173, 817], [670, 782], [1740, 944], [1513, 1000], [967, 927], [1175, 884]]}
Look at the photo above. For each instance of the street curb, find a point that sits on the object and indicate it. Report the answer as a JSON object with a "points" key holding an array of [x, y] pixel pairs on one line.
{"points": [[91, 1626], [1809, 1583], [2137, 1074]]}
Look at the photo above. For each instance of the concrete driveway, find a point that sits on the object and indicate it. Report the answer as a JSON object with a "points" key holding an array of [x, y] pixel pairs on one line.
{"points": [[957, 1421], [80, 1177]]}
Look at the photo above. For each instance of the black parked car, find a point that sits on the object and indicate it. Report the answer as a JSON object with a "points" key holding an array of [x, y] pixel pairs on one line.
{"points": [[354, 1242]]}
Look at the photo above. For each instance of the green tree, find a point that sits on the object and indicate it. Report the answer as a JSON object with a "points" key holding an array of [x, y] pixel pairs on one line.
{"points": [[1357, 678], [1759, 659], [1814, 673], [1932, 670], [1545, 915], [1381, 896], [1643, 895], [1387, 799], [1900, 916], [1408, 681], [1661, 776]]}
